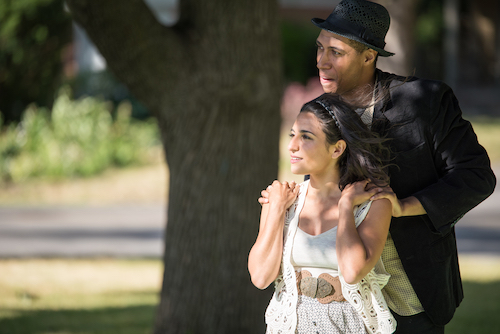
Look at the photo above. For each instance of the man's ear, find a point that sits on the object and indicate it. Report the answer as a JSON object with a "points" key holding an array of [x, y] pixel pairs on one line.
{"points": [[370, 56], [339, 149]]}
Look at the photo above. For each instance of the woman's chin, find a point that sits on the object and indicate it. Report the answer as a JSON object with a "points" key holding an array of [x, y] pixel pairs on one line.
{"points": [[297, 171]]}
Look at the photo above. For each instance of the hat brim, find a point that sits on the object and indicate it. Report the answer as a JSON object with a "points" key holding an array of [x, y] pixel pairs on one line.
{"points": [[328, 26]]}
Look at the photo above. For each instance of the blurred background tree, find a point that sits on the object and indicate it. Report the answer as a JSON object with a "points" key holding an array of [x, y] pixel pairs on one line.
{"points": [[213, 81], [33, 34]]}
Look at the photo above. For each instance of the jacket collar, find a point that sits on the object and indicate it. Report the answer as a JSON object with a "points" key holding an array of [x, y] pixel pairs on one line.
{"points": [[382, 118]]}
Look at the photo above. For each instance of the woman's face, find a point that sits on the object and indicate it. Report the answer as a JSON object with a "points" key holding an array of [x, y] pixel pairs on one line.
{"points": [[309, 151]]}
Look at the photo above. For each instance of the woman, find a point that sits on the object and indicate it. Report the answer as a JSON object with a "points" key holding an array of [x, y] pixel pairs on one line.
{"points": [[320, 242]]}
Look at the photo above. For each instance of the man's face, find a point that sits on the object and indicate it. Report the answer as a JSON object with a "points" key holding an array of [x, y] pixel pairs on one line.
{"points": [[341, 67]]}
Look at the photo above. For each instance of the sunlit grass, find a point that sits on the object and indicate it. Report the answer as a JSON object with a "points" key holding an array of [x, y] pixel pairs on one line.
{"points": [[119, 296], [77, 283], [77, 296], [478, 313], [480, 269], [488, 134]]}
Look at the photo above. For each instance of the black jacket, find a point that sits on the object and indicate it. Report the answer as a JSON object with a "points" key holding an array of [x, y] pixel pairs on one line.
{"points": [[439, 161]]}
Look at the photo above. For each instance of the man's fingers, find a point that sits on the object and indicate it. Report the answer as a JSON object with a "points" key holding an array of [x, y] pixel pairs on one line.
{"points": [[382, 193]]}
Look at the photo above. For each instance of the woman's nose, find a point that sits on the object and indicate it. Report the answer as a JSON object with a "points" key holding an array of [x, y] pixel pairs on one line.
{"points": [[292, 145]]}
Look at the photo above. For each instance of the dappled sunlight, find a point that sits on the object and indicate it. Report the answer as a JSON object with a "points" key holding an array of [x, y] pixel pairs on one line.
{"points": [[77, 283]]}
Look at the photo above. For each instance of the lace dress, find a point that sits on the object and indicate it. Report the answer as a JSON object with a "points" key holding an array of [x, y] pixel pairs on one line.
{"points": [[365, 310]]}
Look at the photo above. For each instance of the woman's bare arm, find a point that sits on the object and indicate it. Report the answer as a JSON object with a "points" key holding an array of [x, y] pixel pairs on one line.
{"points": [[265, 256], [358, 249]]}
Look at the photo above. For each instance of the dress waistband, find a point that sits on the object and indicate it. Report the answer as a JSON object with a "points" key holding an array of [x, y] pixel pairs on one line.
{"points": [[325, 287]]}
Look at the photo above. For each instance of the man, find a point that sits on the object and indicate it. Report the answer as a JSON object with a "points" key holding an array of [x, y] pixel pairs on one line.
{"points": [[440, 171]]}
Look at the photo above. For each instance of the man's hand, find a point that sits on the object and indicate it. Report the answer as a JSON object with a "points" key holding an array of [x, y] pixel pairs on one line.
{"points": [[357, 193], [409, 206]]}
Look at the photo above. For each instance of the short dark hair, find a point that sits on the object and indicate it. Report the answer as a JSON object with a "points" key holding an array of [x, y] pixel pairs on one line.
{"points": [[360, 47]]}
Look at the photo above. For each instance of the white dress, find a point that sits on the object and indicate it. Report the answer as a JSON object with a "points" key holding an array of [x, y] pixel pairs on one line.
{"points": [[364, 311]]}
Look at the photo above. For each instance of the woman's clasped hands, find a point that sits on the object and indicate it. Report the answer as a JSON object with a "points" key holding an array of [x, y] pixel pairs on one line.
{"points": [[282, 193]]}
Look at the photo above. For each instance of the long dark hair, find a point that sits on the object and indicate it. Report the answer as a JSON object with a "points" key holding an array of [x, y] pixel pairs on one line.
{"points": [[365, 156]]}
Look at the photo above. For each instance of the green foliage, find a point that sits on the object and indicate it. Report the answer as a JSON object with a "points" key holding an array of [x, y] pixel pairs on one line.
{"points": [[33, 34], [104, 84], [429, 31], [78, 138], [430, 23], [299, 50]]}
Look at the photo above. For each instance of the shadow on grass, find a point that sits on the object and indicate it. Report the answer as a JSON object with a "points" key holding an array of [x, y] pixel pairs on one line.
{"points": [[478, 314], [126, 320], [479, 311]]}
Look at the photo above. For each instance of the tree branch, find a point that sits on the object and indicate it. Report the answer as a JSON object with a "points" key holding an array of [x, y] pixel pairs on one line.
{"points": [[143, 45]]}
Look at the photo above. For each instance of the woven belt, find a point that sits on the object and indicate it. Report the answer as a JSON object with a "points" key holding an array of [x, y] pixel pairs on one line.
{"points": [[325, 288]]}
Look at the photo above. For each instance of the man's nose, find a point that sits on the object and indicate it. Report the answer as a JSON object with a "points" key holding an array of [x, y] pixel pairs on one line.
{"points": [[322, 61]]}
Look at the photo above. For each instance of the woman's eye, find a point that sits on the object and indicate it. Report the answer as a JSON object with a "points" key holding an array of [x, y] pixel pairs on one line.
{"points": [[291, 135], [306, 137]]}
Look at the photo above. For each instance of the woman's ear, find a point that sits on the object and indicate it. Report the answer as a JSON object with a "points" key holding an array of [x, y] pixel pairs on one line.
{"points": [[338, 149]]}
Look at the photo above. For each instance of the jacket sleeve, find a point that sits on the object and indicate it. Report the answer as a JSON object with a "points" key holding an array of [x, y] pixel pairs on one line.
{"points": [[465, 174]]}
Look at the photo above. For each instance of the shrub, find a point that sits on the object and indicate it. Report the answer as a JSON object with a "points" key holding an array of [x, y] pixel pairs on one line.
{"points": [[78, 138]]}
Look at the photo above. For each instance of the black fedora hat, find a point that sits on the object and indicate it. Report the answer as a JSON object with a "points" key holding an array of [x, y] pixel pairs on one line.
{"points": [[360, 20]]}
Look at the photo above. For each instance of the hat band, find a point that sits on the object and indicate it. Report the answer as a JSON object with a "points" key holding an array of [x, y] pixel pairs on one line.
{"points": [[357, 30]]}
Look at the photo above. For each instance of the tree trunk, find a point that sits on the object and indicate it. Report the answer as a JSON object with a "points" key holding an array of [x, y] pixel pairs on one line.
{"points": [[213, 82]]}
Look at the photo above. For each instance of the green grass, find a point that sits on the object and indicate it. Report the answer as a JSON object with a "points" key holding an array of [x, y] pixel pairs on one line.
{"points": [[136, 319], [78, 296], [478, 313], [488, 134], [119, 296]]}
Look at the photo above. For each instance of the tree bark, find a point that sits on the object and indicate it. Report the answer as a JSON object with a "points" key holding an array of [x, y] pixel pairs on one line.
{"points": [[213, 82]]}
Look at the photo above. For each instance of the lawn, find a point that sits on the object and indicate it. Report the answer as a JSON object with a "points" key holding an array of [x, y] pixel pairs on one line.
{"points": [[488, 134], [78, 296], [119, 296]]}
